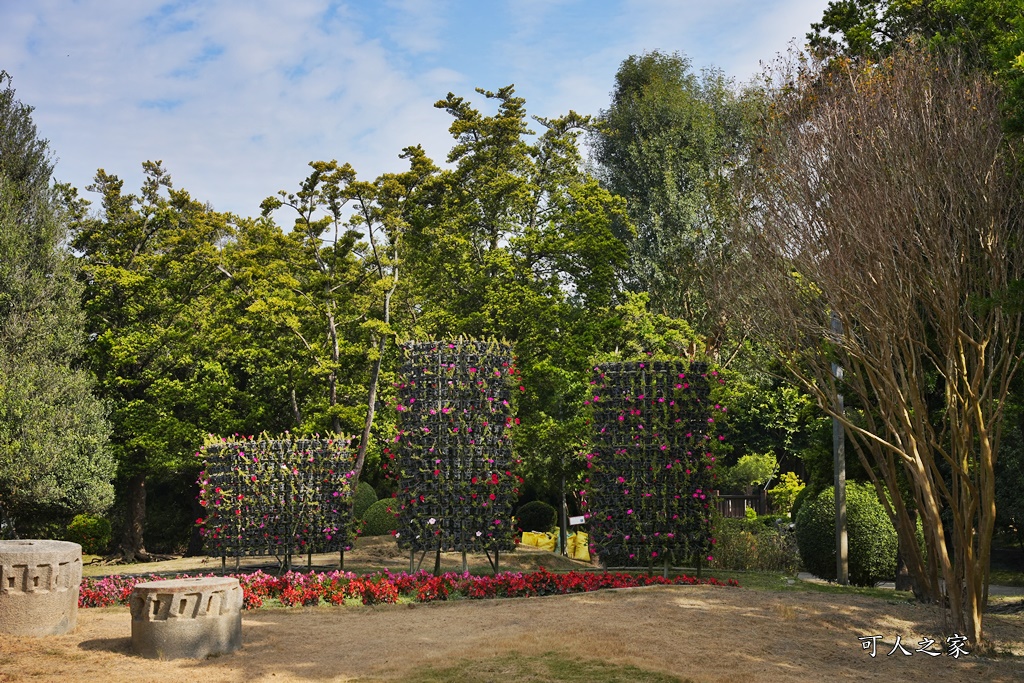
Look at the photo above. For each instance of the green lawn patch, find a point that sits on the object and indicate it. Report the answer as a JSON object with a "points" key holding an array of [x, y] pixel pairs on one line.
{"points": [[550, 667]]}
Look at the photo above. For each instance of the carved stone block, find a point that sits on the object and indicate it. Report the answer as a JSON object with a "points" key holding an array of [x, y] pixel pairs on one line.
{"points": [[186, 618], [39, 583]]}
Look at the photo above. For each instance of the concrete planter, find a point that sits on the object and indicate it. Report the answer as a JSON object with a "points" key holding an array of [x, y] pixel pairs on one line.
{"points": [[39, 583]]}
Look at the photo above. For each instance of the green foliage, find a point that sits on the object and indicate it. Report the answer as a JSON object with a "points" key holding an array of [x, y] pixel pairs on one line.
{"points": [[991, 31], [53, 456], [163, 342], [364, 497], [758, 544], [641, 334], [536, 516], [516, 241], [752, 469], [381, 518], [871, 536], [90, 532], [750, 513], [800, 499], [1009, 473], [765, 413], [667, 144], [784, 494]]}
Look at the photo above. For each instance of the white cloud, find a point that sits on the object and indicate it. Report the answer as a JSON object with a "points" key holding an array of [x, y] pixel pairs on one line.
{"points": [[417, 26], [236, 98]]}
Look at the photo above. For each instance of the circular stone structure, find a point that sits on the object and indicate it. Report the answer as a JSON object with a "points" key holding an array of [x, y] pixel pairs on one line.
{"points": [[39, 582], [186, 618]]}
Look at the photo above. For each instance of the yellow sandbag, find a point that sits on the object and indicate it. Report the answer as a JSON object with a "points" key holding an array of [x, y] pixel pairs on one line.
{"points": [[547, 542], [578, 546], [539, 539], [534, 538]]}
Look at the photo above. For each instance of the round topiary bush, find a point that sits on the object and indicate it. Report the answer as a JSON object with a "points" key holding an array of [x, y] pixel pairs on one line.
{"points": [[364, 497], [536, 516], [805, 493], [381, 518], [872, 538], [92, 533]]}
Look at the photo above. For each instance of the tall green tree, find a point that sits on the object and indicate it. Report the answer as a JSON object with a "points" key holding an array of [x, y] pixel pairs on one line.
{"points": [[53, 456], [151, 263], [517, 241], [314, 291], [668, 144], [333, 285]]}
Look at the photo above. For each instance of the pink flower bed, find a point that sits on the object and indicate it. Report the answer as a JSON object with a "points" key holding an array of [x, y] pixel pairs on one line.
{"points": [[297, 588]]}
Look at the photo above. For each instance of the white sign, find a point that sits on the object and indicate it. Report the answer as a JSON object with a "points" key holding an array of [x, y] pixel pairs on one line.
{"points": [[575, 521]]}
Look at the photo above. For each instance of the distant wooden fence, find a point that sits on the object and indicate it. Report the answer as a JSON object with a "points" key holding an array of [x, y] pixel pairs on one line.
{"points": [[736, 505]]}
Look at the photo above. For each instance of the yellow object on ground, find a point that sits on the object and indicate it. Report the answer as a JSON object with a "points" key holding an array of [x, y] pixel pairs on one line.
{"points": [[578, 546], [539, 539]]}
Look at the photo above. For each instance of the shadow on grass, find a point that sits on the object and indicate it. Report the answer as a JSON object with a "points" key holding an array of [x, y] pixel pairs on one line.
{"points": [[117, 645]]}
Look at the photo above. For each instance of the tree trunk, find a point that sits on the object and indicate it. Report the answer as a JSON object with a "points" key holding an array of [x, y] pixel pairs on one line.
{"points": [[332, 379], [904, 581], [371, 406], [132, 547], [371, 402], [296, 413]]}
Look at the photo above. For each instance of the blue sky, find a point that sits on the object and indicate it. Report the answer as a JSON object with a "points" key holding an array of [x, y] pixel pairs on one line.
{"points": [[238, 97]]}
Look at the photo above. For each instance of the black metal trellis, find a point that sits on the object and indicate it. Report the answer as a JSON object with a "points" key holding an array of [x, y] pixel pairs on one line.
{"points": [[457, 476], [277, 496], [650, 473]]}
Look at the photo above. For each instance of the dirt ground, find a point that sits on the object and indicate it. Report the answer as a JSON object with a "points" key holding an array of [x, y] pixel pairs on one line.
{"points": [[706, 634]]}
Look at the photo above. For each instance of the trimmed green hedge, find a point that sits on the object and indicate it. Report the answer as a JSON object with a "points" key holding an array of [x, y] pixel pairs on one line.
{"points": [[536, 516], [381, 518], [872, 538], [92, 533], [364, 497]]}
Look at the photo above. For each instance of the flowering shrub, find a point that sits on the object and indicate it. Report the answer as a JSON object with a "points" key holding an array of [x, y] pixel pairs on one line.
{"points": [[453, 454], [372, 591], [110, 590], [650, 474], [295, 588], [275, 496]]}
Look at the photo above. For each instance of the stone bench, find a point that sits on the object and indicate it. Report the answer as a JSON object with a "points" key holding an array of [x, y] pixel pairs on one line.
{"points": [[186, 618], [39, 582]]}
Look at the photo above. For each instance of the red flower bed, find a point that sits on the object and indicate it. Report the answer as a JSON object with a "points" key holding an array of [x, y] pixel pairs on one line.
{"points": [[296, 588]]}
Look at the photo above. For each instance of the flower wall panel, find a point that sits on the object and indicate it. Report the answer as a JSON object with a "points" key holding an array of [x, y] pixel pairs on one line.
{"points": [[272, 496], [457, 475], [651, 466]]}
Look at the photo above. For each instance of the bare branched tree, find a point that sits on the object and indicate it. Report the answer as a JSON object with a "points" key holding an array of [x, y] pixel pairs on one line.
{"points": [[886, 194]]}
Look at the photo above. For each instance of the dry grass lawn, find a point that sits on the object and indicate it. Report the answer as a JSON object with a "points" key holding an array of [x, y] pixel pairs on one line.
{"points": [[705, 634]]}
